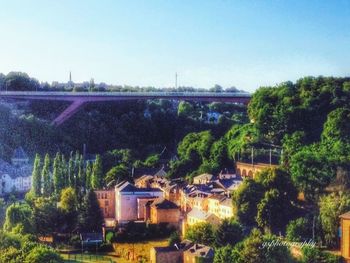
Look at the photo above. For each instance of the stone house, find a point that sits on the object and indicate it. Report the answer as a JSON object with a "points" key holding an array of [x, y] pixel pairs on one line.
{"points": [[106, 200], [199, 216], [213, 204], [164, 211], [202, 179], [226, 209], [170, 254]]}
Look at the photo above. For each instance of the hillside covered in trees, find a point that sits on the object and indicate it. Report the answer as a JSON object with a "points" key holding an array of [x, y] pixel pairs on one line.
{"points": [[306, 124]]}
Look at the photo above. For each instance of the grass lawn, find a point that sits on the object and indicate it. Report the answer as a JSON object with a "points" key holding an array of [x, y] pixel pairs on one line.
{"points": [[123, 253], [141, 249], [87, 258]]}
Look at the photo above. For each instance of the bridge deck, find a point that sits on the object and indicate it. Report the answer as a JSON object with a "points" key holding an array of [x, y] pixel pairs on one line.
{"points": [[80, 98], [47, 94]]}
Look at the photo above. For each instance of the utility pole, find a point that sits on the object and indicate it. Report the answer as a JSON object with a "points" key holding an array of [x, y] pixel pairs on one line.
{"points": [[270, 156]]}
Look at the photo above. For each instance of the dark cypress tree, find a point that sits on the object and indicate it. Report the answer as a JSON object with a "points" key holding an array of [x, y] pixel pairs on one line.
{"points": [[36, 176], [45, 174], [70, 172], [64, 170], [91, 217], [82, 174], [97, 174], [88, 172], [58, 179]]}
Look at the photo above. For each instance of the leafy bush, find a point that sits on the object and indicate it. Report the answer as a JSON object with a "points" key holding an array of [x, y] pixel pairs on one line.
{"points": [[315, 255], [110, 237], [298, 230], [42, 254]]}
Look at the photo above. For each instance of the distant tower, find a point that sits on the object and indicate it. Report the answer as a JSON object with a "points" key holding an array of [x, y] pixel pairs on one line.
{"points": [[70, 76]]}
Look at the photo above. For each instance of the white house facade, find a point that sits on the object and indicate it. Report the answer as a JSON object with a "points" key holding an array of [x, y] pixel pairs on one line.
{"points": [[17, 175], [126, 200]]}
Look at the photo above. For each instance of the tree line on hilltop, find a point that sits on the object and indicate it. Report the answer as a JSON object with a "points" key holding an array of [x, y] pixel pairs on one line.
{"points": [[20, 81]]}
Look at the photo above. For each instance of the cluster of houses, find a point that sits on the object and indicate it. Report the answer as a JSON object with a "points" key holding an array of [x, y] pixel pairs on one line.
{"points": [[17, 175], [156, 199]]}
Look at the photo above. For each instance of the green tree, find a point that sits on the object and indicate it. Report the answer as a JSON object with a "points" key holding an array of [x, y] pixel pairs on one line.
{"points": [[97, 173], [337, 126], [64, 170], [10, 254], [185, 109], [228, 233], [117, 174], [315, 255], [91, 218], [268, 210], [202, 233], [69, 207], [71, 174], [152, 160], [2, 210], [331, 207], [45, 215], [240, 139], [57, 174], [40, 254], [36, 176], [255, 248], [45, 175], [218, 155], [88, 176], [68, 200], [291, 144], [18, 214], [246, 199], [299, 230], [311, 171], [174, 238], [224, 255]]}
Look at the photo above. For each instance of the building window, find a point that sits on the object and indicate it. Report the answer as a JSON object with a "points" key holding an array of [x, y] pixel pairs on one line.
{"points": [[106, 203]]}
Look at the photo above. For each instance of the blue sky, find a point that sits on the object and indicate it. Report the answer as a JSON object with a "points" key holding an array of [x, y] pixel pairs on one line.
{"points": [[245, 43]]}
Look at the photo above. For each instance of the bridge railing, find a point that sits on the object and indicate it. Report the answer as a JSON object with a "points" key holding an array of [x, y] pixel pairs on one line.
{"points": [[125, 94]]}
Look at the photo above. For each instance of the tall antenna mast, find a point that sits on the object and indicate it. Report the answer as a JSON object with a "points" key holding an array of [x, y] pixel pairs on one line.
{"points": [[175, 80]]}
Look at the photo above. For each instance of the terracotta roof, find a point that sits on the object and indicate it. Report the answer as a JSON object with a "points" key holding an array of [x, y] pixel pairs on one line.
{"points": [[217, 197], [128, 187], [345, 215], [185, 244], [201, 251]]}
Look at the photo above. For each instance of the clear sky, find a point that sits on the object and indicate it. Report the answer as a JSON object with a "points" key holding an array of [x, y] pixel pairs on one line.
{"points": [[245, 43]]}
